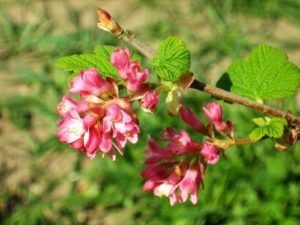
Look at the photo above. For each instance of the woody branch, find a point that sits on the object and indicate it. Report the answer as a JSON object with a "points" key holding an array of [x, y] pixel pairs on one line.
{"points": [[109, 24]]}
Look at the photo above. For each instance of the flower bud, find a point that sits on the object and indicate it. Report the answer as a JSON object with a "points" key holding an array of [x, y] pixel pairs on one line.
{"points": [[149, 101], [214, 112]]}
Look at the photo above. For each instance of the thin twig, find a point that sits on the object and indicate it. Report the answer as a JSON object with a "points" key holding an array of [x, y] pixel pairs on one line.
{"points": [[107, 23]]}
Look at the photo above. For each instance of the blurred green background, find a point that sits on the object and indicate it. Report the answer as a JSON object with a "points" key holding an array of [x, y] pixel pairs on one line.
{"points": [[44, 182]]}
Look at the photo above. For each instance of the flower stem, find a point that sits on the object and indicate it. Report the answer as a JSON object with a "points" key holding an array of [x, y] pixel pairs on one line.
{"points": [[224, 144]]}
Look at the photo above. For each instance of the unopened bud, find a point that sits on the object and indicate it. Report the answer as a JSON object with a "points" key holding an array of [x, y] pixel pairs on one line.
{"points": [[107, 23]]}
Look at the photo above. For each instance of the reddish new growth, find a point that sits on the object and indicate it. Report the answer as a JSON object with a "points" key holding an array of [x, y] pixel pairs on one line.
{"points": [[177, 170], [102, 121]]}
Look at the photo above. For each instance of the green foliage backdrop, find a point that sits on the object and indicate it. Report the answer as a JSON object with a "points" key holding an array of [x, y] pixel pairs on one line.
{"points": [[44, 182]]}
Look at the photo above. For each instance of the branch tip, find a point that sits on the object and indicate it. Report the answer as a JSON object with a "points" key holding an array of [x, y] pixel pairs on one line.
{"points": [[107, 23]]}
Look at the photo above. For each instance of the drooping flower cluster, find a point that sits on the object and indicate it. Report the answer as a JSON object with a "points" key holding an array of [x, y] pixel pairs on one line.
{"points": [[101, 120], [177, 170]]}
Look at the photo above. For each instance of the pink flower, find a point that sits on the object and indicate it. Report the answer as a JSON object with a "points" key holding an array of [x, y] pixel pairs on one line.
{"points": [[189, 185], [214, 113], [90, 82], [120, 58], [123, 127], [179, 142], [130, 71], [175, 180], [154, 153], [175, 171], [100, 121], [149, 101], [91, 141], [67, 104], [135, 76], [71, 128], [210, 153], [191, 119]]}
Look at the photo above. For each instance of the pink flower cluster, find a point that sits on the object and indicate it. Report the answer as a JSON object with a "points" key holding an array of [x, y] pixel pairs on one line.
{"points": [[134, 78], [100, 120], [177, 170]]}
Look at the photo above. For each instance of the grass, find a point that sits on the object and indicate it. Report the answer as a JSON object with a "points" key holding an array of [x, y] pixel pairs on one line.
{"points": [[45, 182]]}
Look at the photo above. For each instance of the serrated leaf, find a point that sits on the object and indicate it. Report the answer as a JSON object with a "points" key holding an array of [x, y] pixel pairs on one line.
{"points": [[265, 74], [103, 53], [172, 59], [271, 127], [77, 62], [258, 133], [276, 127], [100, 60]]}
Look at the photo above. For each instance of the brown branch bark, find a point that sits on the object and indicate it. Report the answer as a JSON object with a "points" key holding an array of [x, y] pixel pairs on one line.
{"points": [[107, 23]]}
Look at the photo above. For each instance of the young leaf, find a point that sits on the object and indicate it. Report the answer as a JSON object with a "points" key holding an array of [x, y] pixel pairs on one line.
{"points": [[172, 59], [271, 127], [265, 74], [100, 60], [258, 133]]}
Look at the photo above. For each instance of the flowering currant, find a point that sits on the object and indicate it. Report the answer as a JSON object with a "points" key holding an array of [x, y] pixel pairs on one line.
{"points": [[102, 121], [177, 171]]}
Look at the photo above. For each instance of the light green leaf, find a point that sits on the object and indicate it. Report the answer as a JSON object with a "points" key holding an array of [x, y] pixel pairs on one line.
{"points": [[100, 60], [77, 62], [261, 121], [271, 127], [104, 65], [276, 127], [172, 59], [258, 133], [265, 74]]}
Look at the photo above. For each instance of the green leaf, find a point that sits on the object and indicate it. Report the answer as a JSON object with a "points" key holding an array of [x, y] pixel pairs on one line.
{"points": [[258, 133], [77, 62], [104, 66], [261, 121], [271, 127], [100, 60], [265, 74], [172, 59]]}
